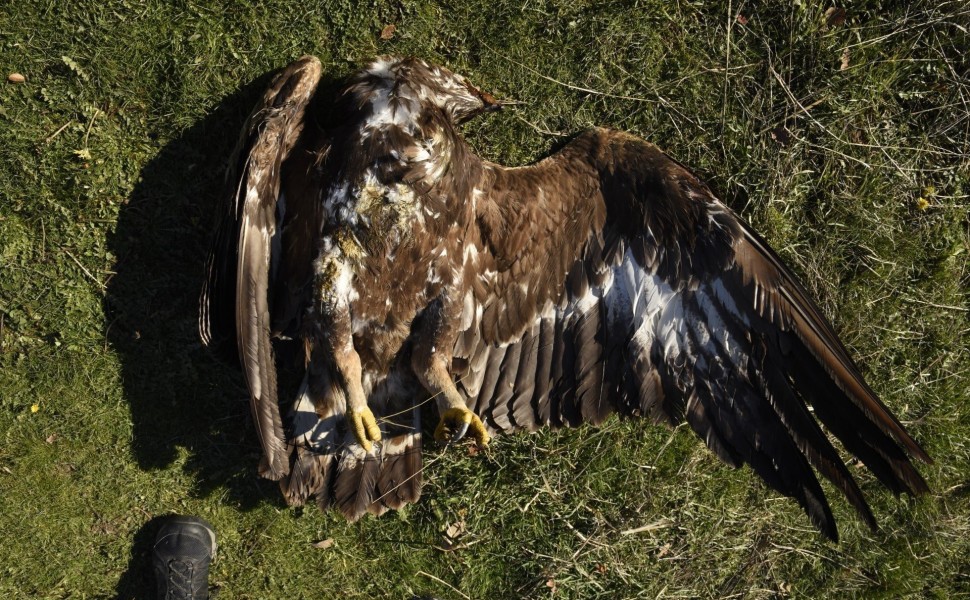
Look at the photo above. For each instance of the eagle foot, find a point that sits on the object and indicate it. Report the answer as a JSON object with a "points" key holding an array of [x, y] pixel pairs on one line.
{"points": [[456, 422], [364, 426]]}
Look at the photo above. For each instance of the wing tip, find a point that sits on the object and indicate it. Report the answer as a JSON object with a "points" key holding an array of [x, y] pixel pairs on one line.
{"points": [[273, 467]]}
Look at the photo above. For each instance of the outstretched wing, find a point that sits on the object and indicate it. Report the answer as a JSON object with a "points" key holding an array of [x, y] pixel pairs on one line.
{"points": [[244, 263], [609, 279]]}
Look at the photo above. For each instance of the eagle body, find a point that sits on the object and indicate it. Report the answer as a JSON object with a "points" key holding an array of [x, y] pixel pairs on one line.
{"points": [[605, 278]]}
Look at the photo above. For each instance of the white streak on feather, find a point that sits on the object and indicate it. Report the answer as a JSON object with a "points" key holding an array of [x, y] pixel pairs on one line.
{"points": [[714, 323]]}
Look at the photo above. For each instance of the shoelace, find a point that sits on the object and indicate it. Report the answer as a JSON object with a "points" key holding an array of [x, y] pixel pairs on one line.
{"points": [[180, 580]]}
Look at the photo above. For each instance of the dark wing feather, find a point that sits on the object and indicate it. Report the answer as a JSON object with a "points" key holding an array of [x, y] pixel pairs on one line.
{"points": [[240, 268], [650, 297]]}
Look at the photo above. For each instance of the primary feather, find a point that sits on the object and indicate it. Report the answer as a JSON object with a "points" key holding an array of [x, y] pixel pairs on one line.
{"points": [[606, 278]]}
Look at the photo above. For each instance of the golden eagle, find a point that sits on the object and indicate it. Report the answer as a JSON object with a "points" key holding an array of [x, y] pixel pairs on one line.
{"points": [[606, 278]]}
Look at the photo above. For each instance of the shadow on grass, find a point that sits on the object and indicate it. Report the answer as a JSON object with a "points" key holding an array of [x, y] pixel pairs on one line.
{"points": [[138, 581], [179, 395]]}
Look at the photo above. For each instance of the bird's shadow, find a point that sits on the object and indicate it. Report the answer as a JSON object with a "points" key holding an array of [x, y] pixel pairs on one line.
{"points": [[180, 395]]}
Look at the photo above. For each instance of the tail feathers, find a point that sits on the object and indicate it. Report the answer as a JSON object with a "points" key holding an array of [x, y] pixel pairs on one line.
{"points": [[355, 485], [389, 478], [399, 482], [330, 465], [310, 476]]}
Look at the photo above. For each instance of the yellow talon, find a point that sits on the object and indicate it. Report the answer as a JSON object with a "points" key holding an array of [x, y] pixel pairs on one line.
{"points": [[455, 422], [365, 428]]}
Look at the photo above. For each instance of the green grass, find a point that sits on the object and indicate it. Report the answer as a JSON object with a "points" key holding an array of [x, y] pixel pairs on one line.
{"points": [[111, 156]]}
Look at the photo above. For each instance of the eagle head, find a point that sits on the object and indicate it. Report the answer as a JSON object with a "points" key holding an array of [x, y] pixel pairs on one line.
{"points": [[412, 81]]}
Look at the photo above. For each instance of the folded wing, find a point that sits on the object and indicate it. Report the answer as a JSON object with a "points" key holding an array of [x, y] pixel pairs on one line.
{"points": [[242, 268]]}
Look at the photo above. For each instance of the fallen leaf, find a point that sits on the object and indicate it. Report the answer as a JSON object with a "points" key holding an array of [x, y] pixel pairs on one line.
{"points": [[51, 438], [742, 20], [16, 78], [845, 59], [551, 584], [388, 31], [323, 544], [452, 534], [834, 16]]}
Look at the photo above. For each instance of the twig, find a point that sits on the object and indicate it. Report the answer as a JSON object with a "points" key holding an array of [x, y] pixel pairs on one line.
{"points": [[537, 128], [445, 583], [86, 272], [457, 547], [58, 132], [796, 114], [925, 25], [661, 524], [387, 418], [935, 305], [90, 125], [567, 85]]}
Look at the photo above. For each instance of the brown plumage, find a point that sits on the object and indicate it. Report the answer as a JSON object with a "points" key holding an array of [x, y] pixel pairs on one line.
{"points": [[604, 279]]}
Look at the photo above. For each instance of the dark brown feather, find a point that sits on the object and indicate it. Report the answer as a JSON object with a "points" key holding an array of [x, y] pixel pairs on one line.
{"points": [[355, 485], [400, 478]]}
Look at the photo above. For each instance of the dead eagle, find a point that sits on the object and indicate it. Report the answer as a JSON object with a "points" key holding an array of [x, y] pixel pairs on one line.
{"points": [[605, 278]]}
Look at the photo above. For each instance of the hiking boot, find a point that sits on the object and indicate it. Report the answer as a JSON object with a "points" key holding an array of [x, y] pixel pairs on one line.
{"points": [[183, 550]]}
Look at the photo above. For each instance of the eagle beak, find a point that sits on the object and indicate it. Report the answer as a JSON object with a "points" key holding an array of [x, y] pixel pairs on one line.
{"points": [[490, 102]]}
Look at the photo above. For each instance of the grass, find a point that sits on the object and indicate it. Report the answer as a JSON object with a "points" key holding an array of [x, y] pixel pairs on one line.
{"points": [[845, 141]]}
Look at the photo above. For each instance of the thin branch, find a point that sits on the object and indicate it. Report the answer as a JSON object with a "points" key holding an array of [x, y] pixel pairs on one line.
{"points": [[445, 583], [86, 272], [567, 85]]}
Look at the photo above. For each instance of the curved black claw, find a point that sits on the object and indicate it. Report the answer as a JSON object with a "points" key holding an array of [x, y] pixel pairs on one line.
{"points": [[456, 422]]}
